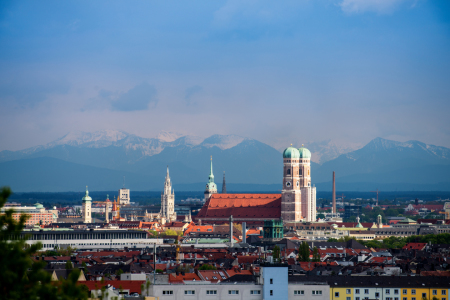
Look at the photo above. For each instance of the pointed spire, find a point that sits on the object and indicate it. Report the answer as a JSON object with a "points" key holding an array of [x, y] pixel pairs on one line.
{"points": [[167, 175], [224, 185], [211, 175]]}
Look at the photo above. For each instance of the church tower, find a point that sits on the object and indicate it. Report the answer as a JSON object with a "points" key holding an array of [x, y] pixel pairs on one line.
{"points": [[168, 201], [291, 193], [87, 211], [308, 192], [211, 187], [224, 184]]}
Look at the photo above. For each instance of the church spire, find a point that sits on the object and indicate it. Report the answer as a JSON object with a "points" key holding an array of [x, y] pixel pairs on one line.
{"points": [[224, 185], [211, 175]]}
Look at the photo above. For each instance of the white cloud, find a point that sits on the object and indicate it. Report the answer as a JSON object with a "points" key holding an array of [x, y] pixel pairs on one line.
{"points": [[378, 6]]}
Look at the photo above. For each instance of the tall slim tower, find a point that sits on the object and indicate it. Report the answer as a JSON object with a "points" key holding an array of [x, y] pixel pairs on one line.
{"points": [[168, 200], [211, 187], [291, 208], [308, 192], [87, 212], [224, 185]]}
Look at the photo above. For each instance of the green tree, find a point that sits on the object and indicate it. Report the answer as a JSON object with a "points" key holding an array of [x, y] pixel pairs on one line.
{"points": [[69, 265], [320, 216], [276, 253], [316, 255], [303, 252], [119, 272], [207, 267], [20, 276]]}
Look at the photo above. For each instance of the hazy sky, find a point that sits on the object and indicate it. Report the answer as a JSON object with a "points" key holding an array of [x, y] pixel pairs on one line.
{"points": [[278, 71]]}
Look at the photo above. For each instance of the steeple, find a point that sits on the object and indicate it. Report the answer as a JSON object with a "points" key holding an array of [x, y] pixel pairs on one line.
{"points": [[224, 185], [211, 175]]}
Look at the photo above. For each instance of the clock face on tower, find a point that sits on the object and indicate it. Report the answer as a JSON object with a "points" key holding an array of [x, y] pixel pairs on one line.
{"points": [[288, 183], [298, 183]]}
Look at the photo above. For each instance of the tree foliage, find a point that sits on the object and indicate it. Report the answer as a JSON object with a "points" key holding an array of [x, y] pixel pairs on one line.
{"points": [[276, 253], [303, 252], [20, 276], [316, 255], [207, 267]]}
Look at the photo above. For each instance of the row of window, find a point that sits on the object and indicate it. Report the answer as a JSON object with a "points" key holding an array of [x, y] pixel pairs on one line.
{"points": [[302, 292], [388, 292], [214, 292]]}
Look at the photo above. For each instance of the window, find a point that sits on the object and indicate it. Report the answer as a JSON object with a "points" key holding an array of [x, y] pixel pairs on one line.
{"points": [[388, 298], [377, 294], [271, 280], [288, 171], [348, 298], [405, 292], [413, 292], [388, 291], [396, 298], [189, 292], [356, 291], [348, 291], [167, 292], [366, 291], [424, 295], [404, 298], [357, 298], [434, 292], [233, 292], [271, 292], [336, 294], [443, 292], [317, 293], [413, 298], [395, 292], [255, 292], [211, 292], [299, 292]]}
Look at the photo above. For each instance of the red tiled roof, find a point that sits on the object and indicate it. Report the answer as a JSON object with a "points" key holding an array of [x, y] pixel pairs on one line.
{"points": [[186, 277], [198, 228], [242, 206], [238, 271], [133, 285], [432, 221], [213, 276], [414, 246]]}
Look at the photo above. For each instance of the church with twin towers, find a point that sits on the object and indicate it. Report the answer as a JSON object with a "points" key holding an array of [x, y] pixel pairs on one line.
{"points": [[296, 203]]}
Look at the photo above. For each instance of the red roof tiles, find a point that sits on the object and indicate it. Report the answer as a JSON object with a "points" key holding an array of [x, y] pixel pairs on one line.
{"points": [[250, 206]]}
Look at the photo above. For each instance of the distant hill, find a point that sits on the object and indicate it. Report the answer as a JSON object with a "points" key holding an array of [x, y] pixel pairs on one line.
{"points": [[101, 159]]}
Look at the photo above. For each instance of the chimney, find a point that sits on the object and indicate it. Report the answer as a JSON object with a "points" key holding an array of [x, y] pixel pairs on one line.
{"points": [[231, 230], [334, 193]]}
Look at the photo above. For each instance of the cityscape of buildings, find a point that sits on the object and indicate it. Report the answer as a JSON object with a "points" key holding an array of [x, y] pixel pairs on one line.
{"points": [[244, 246]]}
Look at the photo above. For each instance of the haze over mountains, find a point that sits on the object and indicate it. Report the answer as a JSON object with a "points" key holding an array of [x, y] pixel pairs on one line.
{"points": [[102, 159]]}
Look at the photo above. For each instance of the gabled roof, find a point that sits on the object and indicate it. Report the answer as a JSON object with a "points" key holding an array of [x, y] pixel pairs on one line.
{"points": [[261, 206]]}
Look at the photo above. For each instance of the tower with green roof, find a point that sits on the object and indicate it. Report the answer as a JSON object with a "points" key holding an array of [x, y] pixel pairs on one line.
{"points": [[211, 187], [86, 204]]}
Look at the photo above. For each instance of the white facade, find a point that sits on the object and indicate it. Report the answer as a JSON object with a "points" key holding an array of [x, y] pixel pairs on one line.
{"points": [[124, 196], [87, 210], [168, 213]]}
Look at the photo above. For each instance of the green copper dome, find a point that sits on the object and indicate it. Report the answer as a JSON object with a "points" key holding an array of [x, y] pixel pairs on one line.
{"points": [[38, 205], [86, 197], [304, 153], [291, 152]]}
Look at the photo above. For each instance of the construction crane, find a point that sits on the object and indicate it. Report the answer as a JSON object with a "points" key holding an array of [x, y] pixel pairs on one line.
{"points": [[107, 203], [377, 191]]}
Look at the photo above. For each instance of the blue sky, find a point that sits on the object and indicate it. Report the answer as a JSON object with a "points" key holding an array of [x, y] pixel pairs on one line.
{"points": [[278, 71]]}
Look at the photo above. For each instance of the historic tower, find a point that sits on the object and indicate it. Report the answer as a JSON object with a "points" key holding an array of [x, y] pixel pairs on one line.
{"points": [[291, 210], [298, 198], [168, 201], [87, 211], [211, 187], [308, 192]]}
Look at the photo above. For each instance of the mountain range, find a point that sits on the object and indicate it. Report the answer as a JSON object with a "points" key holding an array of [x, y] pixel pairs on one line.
{"points": [[105, 159]]}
